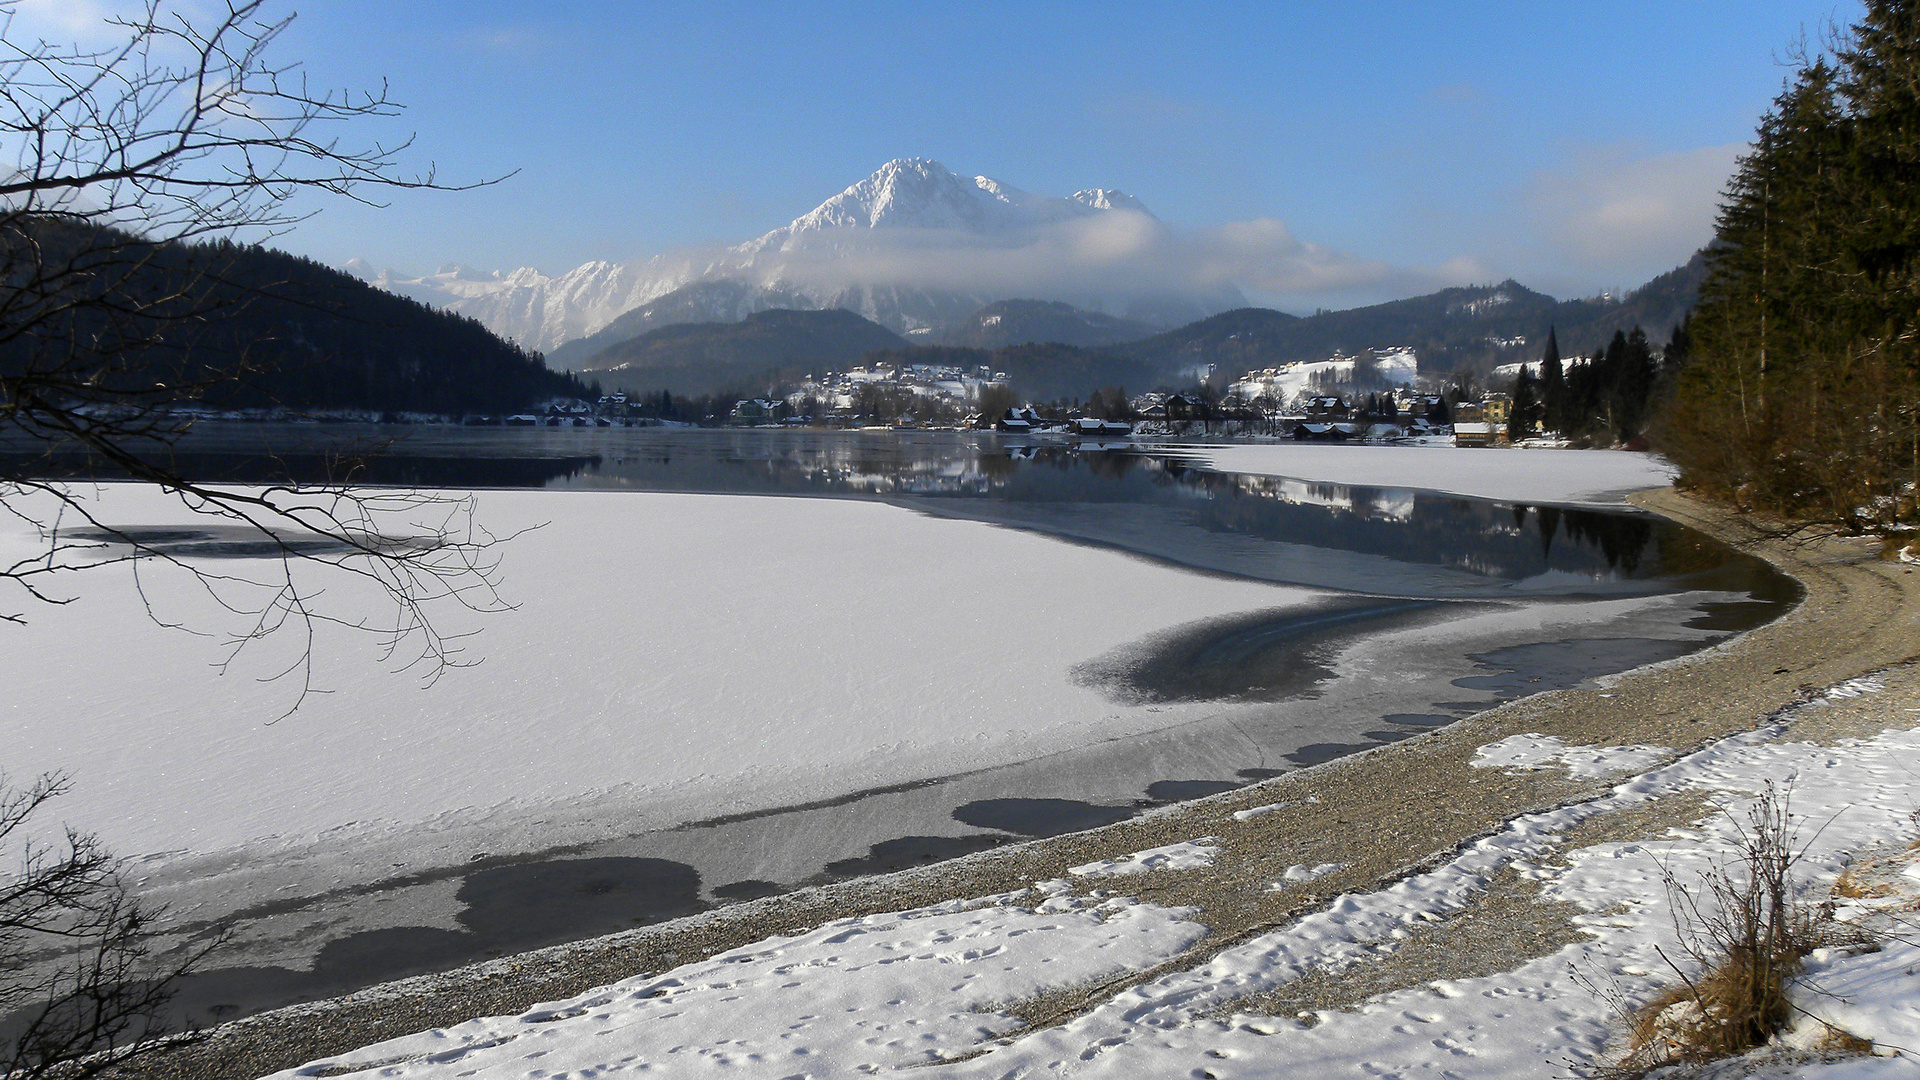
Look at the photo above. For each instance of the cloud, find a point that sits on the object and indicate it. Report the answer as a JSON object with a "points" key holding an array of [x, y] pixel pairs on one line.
{"points": [[1622, 217], [1112, 254], [87, 23], [519, 39]]}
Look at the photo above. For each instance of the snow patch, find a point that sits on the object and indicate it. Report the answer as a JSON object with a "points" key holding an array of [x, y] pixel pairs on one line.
{"points": [[1533, 751], [1187, 856], [859, 995], [1303, 872]]}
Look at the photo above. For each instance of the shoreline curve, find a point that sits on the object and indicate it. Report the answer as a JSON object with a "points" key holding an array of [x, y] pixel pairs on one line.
{"points": [[1383, 814]]}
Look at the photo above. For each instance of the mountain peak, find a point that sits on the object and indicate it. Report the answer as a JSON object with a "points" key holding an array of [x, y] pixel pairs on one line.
{"points": [[921, 193], [1109, 199]]}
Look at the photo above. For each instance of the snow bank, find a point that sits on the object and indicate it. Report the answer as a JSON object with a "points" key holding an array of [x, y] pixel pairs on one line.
{"points": [[1563, 477]]}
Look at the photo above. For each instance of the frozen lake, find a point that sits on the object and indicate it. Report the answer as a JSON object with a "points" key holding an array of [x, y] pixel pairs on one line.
{"points": [[700, 699]]}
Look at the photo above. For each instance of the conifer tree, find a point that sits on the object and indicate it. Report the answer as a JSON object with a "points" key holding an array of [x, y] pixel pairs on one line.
{"points": [[1553, 384], [1802, 387], [1525, 407]]}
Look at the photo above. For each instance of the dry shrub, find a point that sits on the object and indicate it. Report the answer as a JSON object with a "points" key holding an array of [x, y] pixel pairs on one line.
{"points": [[1745, 941]]}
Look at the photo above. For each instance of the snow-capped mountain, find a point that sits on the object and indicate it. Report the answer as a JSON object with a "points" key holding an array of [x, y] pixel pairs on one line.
{"points": [[530, 307], [914, 247], [918, 193]]}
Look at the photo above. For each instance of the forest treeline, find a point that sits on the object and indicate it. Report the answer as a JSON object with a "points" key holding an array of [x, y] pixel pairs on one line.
{"points": [[1801, 395], [96, 317], [1608, 397]]}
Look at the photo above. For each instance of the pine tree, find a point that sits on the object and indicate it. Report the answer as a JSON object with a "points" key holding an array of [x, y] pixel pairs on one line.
{"points": [[1553, 384], [1801, 396], [1525, 407]]}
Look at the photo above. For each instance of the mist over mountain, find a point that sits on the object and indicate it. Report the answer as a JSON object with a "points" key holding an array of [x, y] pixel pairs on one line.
{"points": [[1018, 322], [1052, 349], [752, 355], [914, 247]]}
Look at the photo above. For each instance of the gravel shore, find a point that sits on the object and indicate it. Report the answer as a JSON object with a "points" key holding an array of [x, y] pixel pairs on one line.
{"points": [[1381, 815]]}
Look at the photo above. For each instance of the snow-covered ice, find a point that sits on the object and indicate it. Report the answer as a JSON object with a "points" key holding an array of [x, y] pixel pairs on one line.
{"points": [[1561, 477], [667, 657]]}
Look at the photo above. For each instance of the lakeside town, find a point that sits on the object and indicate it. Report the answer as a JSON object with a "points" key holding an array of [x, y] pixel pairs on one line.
{"points": [[1305, 401]]}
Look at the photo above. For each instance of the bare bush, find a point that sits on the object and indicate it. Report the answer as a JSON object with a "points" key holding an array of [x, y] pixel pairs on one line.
{"points": [[121, 166], [1744, 931]]}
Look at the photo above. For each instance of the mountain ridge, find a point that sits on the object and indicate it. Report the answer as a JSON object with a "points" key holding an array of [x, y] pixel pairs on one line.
{"points": [[890, 220], [1054, 350]]}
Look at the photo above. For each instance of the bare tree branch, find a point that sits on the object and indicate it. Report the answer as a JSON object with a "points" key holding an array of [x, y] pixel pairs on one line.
{"points": [[120, 158], [127, 172]]}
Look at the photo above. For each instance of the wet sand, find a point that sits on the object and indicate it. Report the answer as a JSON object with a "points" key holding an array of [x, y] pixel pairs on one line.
{"points": [[1382, 814]]}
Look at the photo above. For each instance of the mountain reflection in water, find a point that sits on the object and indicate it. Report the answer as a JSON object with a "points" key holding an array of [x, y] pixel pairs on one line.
{"points": [[1384, 541]]}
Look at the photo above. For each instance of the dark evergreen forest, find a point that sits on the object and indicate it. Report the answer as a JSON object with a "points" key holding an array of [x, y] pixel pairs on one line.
{"points": [[1800, 396], [102, 318]]}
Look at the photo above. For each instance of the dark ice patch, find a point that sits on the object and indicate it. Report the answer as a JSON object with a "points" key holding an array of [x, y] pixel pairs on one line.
{"points": [[1039, 817], [1182, 790], [750, 889], [1322, 752], [235, 542], [527, 905], [1519, 670], [1269, 655], [909, 851]]}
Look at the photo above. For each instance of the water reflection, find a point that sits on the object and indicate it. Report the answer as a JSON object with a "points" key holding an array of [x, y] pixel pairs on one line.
{"points": [[1385, 541]]}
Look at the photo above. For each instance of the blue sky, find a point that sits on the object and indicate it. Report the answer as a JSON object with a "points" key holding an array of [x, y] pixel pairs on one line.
{"points": [[1577, 147]]}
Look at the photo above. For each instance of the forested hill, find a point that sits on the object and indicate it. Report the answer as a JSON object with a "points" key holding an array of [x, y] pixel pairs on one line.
{"points": [[1473, 326], [767, 347], [238, 326]]}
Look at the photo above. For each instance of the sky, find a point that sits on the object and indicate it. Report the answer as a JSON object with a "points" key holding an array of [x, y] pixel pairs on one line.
{"points": [[1371, 149]]}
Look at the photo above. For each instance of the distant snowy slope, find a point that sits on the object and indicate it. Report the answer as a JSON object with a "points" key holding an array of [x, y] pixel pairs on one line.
{"points": [[529, 307]]}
